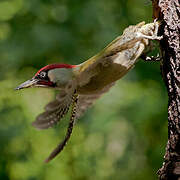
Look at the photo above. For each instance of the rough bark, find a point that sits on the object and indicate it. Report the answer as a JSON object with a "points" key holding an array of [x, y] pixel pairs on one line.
{"points": [[168, 11]]}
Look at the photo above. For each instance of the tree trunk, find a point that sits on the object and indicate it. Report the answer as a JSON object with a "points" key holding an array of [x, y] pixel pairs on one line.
{"points": [[168, 11]]}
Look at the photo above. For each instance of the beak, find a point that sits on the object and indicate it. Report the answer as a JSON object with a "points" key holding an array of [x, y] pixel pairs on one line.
{"points": [[27, 84]]}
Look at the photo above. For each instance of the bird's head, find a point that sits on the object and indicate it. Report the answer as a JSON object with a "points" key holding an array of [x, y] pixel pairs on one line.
{"points": [[51, 76]]}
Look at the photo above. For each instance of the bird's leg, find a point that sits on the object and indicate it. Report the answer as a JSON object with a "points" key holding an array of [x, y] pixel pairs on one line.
{"points": [[151, 58], [61, 146], [152, 34], [153, 37], [150, 48]]}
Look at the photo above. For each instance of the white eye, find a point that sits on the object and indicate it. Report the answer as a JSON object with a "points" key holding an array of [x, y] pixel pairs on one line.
{"points": [[42, 74]]}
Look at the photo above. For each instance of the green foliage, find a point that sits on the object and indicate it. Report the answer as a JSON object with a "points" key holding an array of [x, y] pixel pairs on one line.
{"points": [[122, 137]]}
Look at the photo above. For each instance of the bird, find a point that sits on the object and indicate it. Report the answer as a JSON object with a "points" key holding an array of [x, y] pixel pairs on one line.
{"points": [[80, 85]]}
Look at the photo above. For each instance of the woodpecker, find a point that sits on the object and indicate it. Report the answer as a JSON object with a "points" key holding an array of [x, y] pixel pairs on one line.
{"points": [[80, 85]]}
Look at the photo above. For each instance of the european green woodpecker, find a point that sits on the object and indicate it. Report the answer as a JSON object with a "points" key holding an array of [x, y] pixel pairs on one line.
{"points": [[80, 85]]}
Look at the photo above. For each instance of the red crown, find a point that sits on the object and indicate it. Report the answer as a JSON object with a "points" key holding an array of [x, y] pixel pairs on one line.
{"points": [[54, 66]]}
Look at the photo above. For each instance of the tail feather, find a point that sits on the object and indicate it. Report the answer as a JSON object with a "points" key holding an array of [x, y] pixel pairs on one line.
{"points": [[61, 146]]}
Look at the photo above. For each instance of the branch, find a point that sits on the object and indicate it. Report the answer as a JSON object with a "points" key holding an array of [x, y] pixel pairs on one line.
{"points": [[169, 12]]}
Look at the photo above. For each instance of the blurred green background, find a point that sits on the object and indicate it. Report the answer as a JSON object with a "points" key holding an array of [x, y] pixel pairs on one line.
{"points": [[122, 137]]}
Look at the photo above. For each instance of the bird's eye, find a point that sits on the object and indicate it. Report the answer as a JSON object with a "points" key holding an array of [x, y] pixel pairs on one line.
{"points": [[42, 74]]}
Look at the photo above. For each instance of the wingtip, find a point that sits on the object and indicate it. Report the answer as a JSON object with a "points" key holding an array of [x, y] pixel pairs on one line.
{"points": [[41, 126], [46, 160], [35, 125], [17, 88]]}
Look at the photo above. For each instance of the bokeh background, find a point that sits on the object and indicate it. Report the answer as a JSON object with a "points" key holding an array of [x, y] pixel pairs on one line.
{"points": [[123, 136]]}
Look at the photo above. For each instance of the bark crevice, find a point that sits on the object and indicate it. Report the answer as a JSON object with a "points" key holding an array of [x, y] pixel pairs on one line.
{"points": [[168, 11]]}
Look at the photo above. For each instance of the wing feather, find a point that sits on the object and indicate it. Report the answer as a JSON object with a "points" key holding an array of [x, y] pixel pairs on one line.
{"points": [[57, 109], [54, 111], [86, 101]]}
